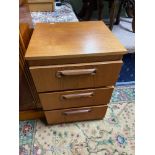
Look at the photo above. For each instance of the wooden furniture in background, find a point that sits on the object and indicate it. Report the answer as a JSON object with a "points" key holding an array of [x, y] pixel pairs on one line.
{"points": [[90, 5], [24, 15], [129, 6], [74, 90], [31, 115], [115, 8], [28, 97], [41, 5]]}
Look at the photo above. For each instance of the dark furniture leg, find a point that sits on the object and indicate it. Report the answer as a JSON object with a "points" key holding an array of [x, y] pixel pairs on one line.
{"points": [[113, 7], [90, 9], [84, 9], [119, 12], [130, 10], [133, 21], [100, 9]]}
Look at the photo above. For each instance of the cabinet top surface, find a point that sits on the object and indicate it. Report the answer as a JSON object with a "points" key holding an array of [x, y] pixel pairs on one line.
{"points": [[76, 39]]}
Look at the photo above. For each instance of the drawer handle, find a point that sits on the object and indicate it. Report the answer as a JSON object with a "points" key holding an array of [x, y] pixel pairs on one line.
{"points": [[76, 72], [82, 95], [77, 111]]}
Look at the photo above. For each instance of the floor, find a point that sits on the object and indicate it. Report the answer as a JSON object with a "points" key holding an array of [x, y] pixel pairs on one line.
{"points": [[127, 73]]}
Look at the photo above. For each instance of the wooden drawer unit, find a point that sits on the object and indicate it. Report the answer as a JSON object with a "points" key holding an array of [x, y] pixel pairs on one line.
{"points": [[74, 67], [77, 98], [77, 76], [75, 114], [41, 5]]}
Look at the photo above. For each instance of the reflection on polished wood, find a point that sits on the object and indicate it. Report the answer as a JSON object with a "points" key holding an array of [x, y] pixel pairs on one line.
{"points": [[70, 40]]}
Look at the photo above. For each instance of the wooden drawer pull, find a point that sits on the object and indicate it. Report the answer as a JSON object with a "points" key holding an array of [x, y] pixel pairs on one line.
{"points": [[77, 111], [76, 72], [81, 95]]}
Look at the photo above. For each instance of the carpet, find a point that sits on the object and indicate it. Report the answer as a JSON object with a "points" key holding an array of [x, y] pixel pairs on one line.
{"points": [[127, 73], [63, 13], [114, 135]]}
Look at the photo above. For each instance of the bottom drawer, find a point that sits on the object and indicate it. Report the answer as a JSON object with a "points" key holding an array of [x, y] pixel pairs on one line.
{"points": [[76, 114]]}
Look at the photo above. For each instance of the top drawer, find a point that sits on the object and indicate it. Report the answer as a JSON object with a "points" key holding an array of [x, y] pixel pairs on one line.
{"points": [[75, 76]]}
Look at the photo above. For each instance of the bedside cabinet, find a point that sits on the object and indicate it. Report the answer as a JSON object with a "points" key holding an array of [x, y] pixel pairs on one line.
{"points": [[74, 67]]}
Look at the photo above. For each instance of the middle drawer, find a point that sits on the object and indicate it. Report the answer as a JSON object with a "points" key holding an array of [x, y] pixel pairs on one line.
{"points": [[78, 98]]}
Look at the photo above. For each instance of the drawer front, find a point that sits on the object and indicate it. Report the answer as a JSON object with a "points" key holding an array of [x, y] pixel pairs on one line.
{"points": [[75, 76], [78, 98], [41, 7], [75, 114]]}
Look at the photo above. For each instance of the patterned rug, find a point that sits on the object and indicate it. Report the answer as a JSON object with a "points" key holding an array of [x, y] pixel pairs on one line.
{"points": [[127, 73], [114, 135], [62, 13]]}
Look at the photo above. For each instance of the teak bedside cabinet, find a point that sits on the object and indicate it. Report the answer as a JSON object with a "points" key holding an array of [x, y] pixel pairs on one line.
{"points": [[74, 67]]}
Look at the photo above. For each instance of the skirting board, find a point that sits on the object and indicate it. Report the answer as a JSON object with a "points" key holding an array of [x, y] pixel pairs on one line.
{"points": [[30, 115]]}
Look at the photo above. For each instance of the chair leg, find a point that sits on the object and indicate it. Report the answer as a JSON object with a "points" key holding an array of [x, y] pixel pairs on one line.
{"points": [[100, 9], [90, 8], [133, 21], [119, 12], [112, 13], [83, 10]]}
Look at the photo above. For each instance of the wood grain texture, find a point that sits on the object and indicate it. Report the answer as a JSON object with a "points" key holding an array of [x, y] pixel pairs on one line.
{"points": [[77, 98], [63, 61], [70, 40], [26, 100], [76, 114], [41, 6], [26, 33], [31, 115], [45, 77], [28, 97]]}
